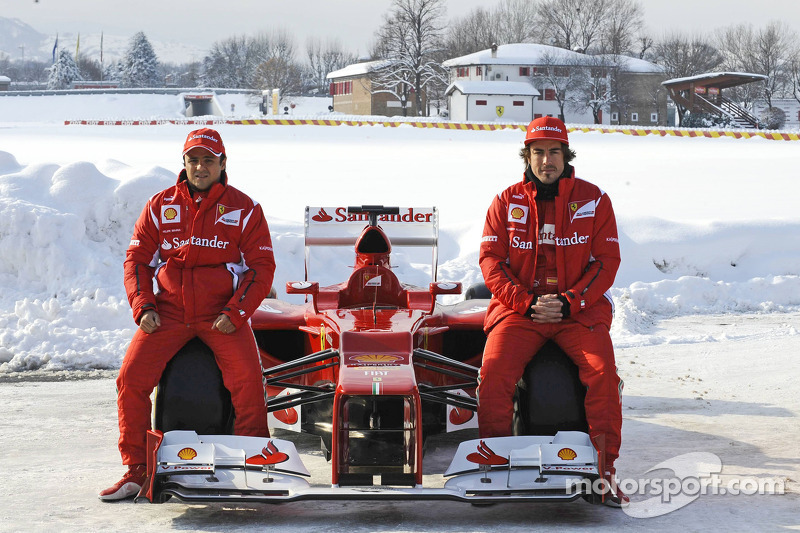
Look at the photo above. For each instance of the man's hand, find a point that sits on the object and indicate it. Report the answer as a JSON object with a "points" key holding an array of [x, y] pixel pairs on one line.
{"points": [[150, 321], [547, 309], [223, 324]]}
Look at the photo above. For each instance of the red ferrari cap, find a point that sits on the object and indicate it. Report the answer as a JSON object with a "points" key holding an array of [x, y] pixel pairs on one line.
{"points": [[205, 138], [546, 129]]}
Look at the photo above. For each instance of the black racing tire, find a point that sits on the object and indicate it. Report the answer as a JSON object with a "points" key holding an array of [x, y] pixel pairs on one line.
{"points": [[550, 396], [191, 394], [478, 291]]}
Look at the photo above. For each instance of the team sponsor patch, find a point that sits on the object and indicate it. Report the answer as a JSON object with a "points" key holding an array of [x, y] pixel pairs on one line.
{"points": [[228, 216], [547, 235], [518, 213], [582, 209], [170, 214], [489, 238], [373, 282], [134, 242]]}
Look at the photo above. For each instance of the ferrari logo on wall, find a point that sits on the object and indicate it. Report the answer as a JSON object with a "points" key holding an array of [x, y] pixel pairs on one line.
{"points": [[500, 110]]}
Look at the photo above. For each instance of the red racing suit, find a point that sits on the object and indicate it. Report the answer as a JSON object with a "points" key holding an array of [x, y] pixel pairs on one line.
{"points": [[587, 257], [209, 255]]}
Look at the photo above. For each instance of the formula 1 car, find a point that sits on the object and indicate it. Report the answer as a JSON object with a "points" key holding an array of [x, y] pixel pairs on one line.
{"points": [[374, 367]]}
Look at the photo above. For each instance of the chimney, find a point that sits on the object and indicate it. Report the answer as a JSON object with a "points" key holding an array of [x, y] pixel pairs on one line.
{"points": [[494, 50]]}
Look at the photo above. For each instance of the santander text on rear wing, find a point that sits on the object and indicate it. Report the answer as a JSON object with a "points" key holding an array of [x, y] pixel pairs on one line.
{"points": [[341, 226]]}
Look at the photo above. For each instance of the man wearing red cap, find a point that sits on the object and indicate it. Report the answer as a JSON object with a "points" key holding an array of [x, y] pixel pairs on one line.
{"points": [[208, 247], [549, 254]]}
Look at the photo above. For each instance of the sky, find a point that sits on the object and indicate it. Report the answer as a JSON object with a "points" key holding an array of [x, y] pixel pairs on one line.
{"points": [[706, 325], [352, 22]]}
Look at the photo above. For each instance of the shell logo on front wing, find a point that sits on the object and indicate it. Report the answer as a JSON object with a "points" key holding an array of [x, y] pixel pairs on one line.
{"points": [[376, 359], [187, 454], [567, 454]]}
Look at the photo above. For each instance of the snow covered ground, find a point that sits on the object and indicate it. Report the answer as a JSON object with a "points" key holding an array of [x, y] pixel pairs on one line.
{"points": [[707, 326]]}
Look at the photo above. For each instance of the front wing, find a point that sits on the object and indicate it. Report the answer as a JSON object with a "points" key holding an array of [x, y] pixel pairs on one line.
{"points": [[212, 468]]}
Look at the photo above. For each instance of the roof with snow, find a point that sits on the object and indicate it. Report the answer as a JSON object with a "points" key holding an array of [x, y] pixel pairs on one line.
{"points": [[716, 79], [516, 88], [538, 54], [358, 69]]}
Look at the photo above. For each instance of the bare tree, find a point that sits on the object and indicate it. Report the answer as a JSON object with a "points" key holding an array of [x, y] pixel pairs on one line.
{"points": [[277, 73], [564, 76], [794, 70], [593, 88], [621, 23], [516, 21], [229, 63], [768, 51], [683, 56], [511, 21], [411, 41], [234, 62], [476, 31], [324, 59], [572, 24]]}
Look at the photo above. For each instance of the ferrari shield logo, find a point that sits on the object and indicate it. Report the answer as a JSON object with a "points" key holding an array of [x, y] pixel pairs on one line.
{"points": [[500, 110], [228, 216]]}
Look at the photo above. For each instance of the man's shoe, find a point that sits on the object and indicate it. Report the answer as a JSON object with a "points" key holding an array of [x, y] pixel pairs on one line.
{"points": [[614, 497], [130, 484]]}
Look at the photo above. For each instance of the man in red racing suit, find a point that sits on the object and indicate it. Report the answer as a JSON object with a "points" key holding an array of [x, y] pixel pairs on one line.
{"points": [[549, 254], [208, 247]]}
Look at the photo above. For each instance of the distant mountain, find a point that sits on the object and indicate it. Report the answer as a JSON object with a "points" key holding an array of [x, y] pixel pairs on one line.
{"points": [[18, 38]]}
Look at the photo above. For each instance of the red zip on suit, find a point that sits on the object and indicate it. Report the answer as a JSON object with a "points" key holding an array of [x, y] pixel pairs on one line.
{"points": [[587, 258], [207, 258]]}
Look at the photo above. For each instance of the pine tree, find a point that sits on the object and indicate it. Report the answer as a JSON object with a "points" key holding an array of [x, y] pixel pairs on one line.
{"points": [[139, 66], [63, 72]]}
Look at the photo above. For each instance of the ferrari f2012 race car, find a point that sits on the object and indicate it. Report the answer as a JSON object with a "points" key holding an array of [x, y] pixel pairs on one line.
{"points": [[374, 367]]}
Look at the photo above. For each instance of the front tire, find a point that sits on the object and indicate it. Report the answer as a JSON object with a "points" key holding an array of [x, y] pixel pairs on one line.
{"points": [[191, 394], [550, 396]]}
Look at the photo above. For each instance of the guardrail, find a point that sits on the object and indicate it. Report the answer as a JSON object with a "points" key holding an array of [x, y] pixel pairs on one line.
{"points": [[390, 123]]}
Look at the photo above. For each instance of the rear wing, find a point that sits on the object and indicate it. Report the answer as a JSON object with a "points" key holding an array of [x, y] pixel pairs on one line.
{"points": [[336, 226]]}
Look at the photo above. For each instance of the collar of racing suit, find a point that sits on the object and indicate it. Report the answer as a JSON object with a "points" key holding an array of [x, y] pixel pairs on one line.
{"points": [[183, 179], [546, 191]]}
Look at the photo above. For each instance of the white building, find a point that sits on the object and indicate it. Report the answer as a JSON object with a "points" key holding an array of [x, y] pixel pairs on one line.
{"points": [[537, 66], [511, 101]]}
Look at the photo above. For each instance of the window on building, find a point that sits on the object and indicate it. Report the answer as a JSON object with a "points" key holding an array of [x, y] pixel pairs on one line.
{"points": [[561, 72], [537, 115], [478, 71], [634, 117], [549, 94], [653, 117], [615, 117], [519, 103], [525, 71], [480, 102]]}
